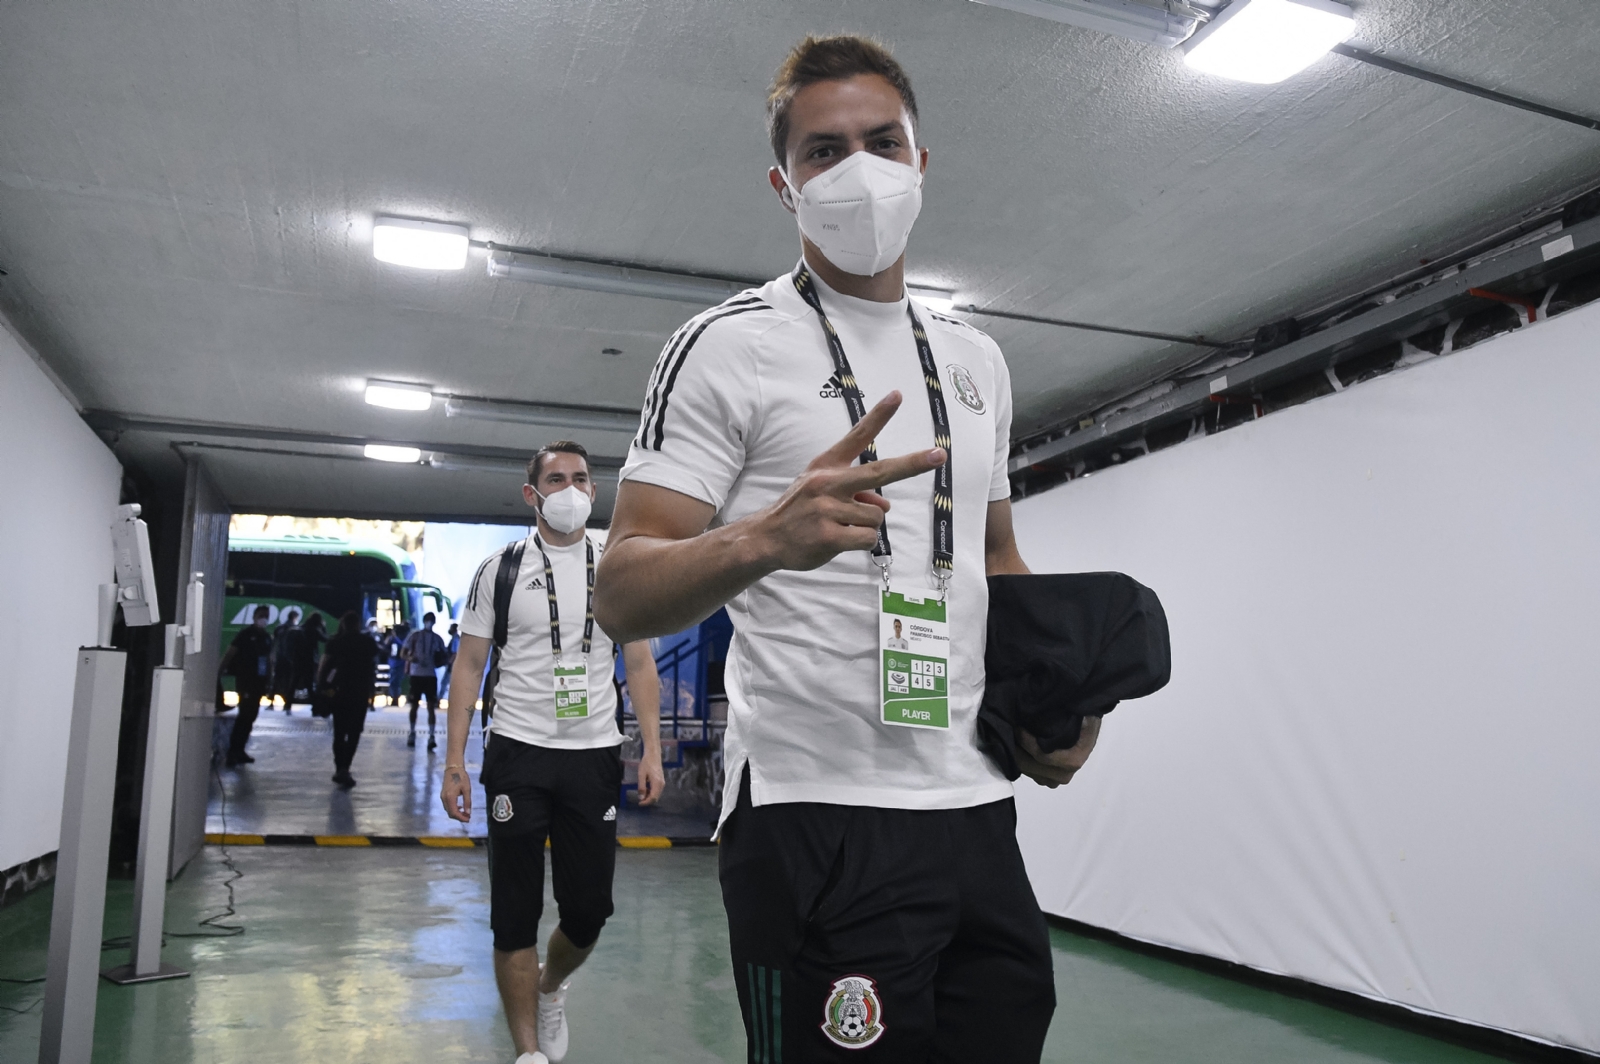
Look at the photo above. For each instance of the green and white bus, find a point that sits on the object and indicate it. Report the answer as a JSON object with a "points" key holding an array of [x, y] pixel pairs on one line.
{"points": [[326, 575]]}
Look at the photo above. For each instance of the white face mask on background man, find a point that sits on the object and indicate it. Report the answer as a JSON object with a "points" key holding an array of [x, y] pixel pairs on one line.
{"points": [[566, 510], [859, 213]]}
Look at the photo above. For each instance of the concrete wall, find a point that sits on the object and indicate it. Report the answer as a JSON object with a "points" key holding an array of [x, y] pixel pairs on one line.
{"points": [[204, 549], [58, 489]]}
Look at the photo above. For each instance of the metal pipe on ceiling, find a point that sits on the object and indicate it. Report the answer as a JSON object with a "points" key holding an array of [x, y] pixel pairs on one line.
{"points": [[592, 418], [622, 280]]}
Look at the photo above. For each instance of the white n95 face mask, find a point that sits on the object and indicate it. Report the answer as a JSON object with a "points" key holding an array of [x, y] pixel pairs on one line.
{"points": [[566, 510], [860, 213]]}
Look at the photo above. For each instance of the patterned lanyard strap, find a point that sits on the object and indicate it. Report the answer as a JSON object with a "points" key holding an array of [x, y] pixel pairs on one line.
{"points": [[555, 609], [943, 493]]}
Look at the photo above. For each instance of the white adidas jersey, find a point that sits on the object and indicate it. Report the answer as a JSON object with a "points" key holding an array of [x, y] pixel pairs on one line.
{"points": [[742, 399]]}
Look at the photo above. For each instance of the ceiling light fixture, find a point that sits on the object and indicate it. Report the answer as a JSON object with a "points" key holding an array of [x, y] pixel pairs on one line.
{"points": [[418, 244], [388, 452], [938, 300], [1266, 41], [394, 395]]}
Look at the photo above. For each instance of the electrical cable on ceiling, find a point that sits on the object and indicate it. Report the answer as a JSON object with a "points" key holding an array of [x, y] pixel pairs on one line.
{"points": [[1171, 338], [1362, 56]]}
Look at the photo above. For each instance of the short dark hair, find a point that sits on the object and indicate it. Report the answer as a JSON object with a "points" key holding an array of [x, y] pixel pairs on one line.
{"points": [[262, 611], [428, 618], [558, 447], [817, 59]]}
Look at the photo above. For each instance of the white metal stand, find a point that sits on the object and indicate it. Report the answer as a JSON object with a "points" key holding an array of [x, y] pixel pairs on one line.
{"points": [[155, 835], [77, 918]]}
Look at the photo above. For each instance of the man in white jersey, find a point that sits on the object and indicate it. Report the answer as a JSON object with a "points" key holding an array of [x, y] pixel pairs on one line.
{"points": [[551, 764], [876, 897]]}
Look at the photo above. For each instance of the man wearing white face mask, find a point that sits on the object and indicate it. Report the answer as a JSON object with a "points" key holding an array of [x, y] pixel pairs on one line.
{"points": [[875, 893], [551, 765]]}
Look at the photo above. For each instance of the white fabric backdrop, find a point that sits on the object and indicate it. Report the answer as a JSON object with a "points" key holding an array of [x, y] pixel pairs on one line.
{"points": [[58, 492], [1377, 766]]}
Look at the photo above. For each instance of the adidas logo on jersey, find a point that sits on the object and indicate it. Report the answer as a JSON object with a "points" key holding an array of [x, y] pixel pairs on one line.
{"points": [[611, 814], [536, 584], [831, 388]]}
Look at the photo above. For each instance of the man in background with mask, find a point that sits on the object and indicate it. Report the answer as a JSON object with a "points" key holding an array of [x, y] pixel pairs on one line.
{"points": [[875, 893], [552, 765]]}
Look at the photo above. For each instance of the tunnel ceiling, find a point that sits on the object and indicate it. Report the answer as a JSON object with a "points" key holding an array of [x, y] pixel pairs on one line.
{"points": [[186, 192]]}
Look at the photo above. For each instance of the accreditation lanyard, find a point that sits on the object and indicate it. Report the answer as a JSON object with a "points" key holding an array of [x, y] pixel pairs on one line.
{"points": [[571, 682], [913, 635]]}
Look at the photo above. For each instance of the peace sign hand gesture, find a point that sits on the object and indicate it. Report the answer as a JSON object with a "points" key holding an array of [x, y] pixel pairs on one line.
{"points": [[834, 506]]}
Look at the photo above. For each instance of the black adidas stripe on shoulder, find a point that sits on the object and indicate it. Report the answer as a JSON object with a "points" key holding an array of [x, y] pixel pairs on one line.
{"points": [[957, 321], [672, 363], [658, 374], [472, 596]]}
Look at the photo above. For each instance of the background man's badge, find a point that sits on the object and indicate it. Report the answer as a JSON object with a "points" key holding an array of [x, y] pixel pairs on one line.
{"points": [[965, 387], [502, 808], [853, 1016]]}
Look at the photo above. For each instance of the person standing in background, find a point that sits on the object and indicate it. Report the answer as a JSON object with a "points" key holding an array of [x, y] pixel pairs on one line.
{"points": [[308, 650], [349, 669], [285, 648], [393, 641], [423, 652], [249, 661], [453, 647]]}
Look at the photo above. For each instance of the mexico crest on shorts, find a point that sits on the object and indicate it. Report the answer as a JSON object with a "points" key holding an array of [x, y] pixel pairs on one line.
{"points": [[853, 1016], [965, 387], [502, 808]]}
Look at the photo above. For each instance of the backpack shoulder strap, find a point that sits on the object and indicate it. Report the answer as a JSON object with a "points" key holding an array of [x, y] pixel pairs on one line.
{"points": [[505, 582]]}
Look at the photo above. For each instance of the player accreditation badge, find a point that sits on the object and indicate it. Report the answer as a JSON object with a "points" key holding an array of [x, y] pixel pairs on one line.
{"points": [[853, 1016], [914, 642], [502, 808], [572, 691]]}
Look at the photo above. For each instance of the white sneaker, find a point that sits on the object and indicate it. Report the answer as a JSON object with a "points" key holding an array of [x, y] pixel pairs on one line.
{"points": [[553, 1023], [533, 1058]]}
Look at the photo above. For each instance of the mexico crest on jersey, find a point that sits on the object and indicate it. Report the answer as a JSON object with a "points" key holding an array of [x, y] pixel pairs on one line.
{"points": [[853, 1016], [965, 387], [502, 808]]}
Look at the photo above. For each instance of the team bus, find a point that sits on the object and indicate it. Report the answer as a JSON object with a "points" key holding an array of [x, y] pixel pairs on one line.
{"points": [[326, 575]]}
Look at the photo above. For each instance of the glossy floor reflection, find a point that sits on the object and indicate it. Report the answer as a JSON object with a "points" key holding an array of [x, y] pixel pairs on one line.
{"points": [[383, 956], [289, 790]]}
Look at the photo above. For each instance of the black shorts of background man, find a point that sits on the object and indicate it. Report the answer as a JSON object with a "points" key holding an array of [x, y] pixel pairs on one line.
{"points": [[248, 660], [423, 652], [876, 896], [552, 766], [348, 671]]}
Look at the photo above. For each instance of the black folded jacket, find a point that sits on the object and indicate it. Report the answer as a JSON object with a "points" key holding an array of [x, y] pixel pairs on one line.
{"points": [[1063, 647]]}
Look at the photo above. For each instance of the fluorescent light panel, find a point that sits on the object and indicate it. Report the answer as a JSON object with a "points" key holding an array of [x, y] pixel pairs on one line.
{"points": [[1267, 41], [418, 244], [387, 452], [394, 395]]}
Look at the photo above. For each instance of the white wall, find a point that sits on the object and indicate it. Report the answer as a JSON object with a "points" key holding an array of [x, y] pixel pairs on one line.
{"points": [[58, 490], [1377, 766]]}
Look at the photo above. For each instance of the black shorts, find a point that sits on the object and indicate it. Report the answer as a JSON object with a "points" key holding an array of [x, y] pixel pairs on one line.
{"points": [[863, 934], [569, 796], [418, 686]]}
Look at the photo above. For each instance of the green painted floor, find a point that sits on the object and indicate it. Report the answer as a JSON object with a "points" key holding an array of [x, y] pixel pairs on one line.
{"points": [[383, 956]]}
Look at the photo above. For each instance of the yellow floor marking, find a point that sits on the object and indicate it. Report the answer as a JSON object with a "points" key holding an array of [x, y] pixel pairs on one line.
{"points": [[644, 842], [446, 841], [215, 838], [342, 840]]}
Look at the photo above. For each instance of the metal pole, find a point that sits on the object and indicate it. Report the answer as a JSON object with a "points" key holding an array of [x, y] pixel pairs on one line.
{"points": [[78, 916], [155, 834]]}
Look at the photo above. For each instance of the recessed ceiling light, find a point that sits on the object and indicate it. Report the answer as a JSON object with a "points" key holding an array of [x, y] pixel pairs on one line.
{"points": [[397, 396], [1266, 41], [388, 452], [938, 300], [422, 245]]}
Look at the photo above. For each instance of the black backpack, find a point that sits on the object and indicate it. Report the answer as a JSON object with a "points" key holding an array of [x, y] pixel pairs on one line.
{"points": [[505, 582]]}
